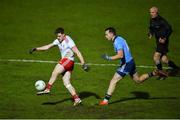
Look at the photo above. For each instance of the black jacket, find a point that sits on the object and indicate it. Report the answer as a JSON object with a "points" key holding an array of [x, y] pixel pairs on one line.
{"points": [[160, 27]]}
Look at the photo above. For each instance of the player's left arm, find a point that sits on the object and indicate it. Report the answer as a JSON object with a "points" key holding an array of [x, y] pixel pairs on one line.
{"points": [[167, 29], [119, 55], [80, 57]]}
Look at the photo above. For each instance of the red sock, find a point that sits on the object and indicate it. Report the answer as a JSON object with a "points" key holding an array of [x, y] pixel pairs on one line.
{"points": [[48, 86], [75, 96]]}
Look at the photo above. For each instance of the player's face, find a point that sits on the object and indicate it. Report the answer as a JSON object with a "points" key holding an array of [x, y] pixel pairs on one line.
{"points": [[108, 35], [60, 36], [153, 12]]}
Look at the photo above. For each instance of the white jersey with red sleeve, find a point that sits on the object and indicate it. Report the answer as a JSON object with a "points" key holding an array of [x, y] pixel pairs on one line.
{"points": [[65, 47]]}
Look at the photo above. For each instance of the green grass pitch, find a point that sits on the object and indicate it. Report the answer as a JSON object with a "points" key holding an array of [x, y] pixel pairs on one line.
{"points": [[30, 23]]}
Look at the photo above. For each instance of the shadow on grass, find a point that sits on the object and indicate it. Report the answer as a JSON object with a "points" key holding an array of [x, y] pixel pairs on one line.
{"points": [[141, 95], [82, 95]]}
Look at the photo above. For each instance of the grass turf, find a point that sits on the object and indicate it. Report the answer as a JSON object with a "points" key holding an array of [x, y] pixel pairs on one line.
{"points": [[29, 23]]}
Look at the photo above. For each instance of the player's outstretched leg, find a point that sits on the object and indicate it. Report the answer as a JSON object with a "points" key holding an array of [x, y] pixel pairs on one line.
{"points": [[57, 70], [143, 77], [70, 88]]}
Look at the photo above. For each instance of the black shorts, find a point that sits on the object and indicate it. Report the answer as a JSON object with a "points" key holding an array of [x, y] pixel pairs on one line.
{"points": [[161, 48]]}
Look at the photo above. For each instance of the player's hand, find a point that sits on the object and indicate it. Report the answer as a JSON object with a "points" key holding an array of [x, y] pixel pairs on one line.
{"points": [[149, 35], [32, 50], [85, 67], [162, 40], [106, 57]]}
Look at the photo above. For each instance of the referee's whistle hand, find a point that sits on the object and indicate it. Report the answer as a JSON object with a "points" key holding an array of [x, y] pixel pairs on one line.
{"points": [[162, 40], [149, 36]]}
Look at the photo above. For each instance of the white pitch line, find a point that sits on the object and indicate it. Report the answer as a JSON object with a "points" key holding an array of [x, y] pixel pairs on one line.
{"points": [[91, 64]]}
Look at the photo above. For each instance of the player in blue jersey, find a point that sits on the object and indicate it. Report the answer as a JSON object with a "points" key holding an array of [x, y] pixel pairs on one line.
{"points": [[127, 64]]}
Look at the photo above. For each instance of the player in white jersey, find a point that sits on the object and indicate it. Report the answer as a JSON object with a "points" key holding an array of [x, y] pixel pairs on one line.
{"points": [[65, 66]]}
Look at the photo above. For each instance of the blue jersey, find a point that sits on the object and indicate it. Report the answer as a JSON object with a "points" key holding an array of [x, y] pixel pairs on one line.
{"points": [[120, 44]]}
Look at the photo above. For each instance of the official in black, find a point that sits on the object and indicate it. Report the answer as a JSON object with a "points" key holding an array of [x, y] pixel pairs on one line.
{"points": [[161, 29]]}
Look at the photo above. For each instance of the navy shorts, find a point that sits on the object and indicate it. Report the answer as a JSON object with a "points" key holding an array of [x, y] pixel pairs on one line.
{"points": [[128, 68]]}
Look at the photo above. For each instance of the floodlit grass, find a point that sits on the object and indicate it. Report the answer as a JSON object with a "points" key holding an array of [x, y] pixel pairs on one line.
{"points": [[30, 23]]}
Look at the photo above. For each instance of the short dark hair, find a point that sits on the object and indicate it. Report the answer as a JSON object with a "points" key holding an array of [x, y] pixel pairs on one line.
{"points": [[111, 30], [59, 30]]}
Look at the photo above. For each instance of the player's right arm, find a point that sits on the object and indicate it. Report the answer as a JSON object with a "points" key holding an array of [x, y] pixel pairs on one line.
{"points": [[42, 48], [45, 47], [151, 32]]}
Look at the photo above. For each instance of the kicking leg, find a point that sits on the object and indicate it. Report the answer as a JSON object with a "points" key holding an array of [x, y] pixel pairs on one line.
{"points": [[57, 70]]}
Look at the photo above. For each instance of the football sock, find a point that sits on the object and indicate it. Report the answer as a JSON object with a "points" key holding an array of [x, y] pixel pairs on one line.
{"points": [[48, 86], [75, 97], [172, 64], [159, 66], [150, 74], [107, 97]]}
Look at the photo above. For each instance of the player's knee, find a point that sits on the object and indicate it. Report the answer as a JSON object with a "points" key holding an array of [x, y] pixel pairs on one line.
{"points": [[164, 59], [156, 58], [67, 85]]}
